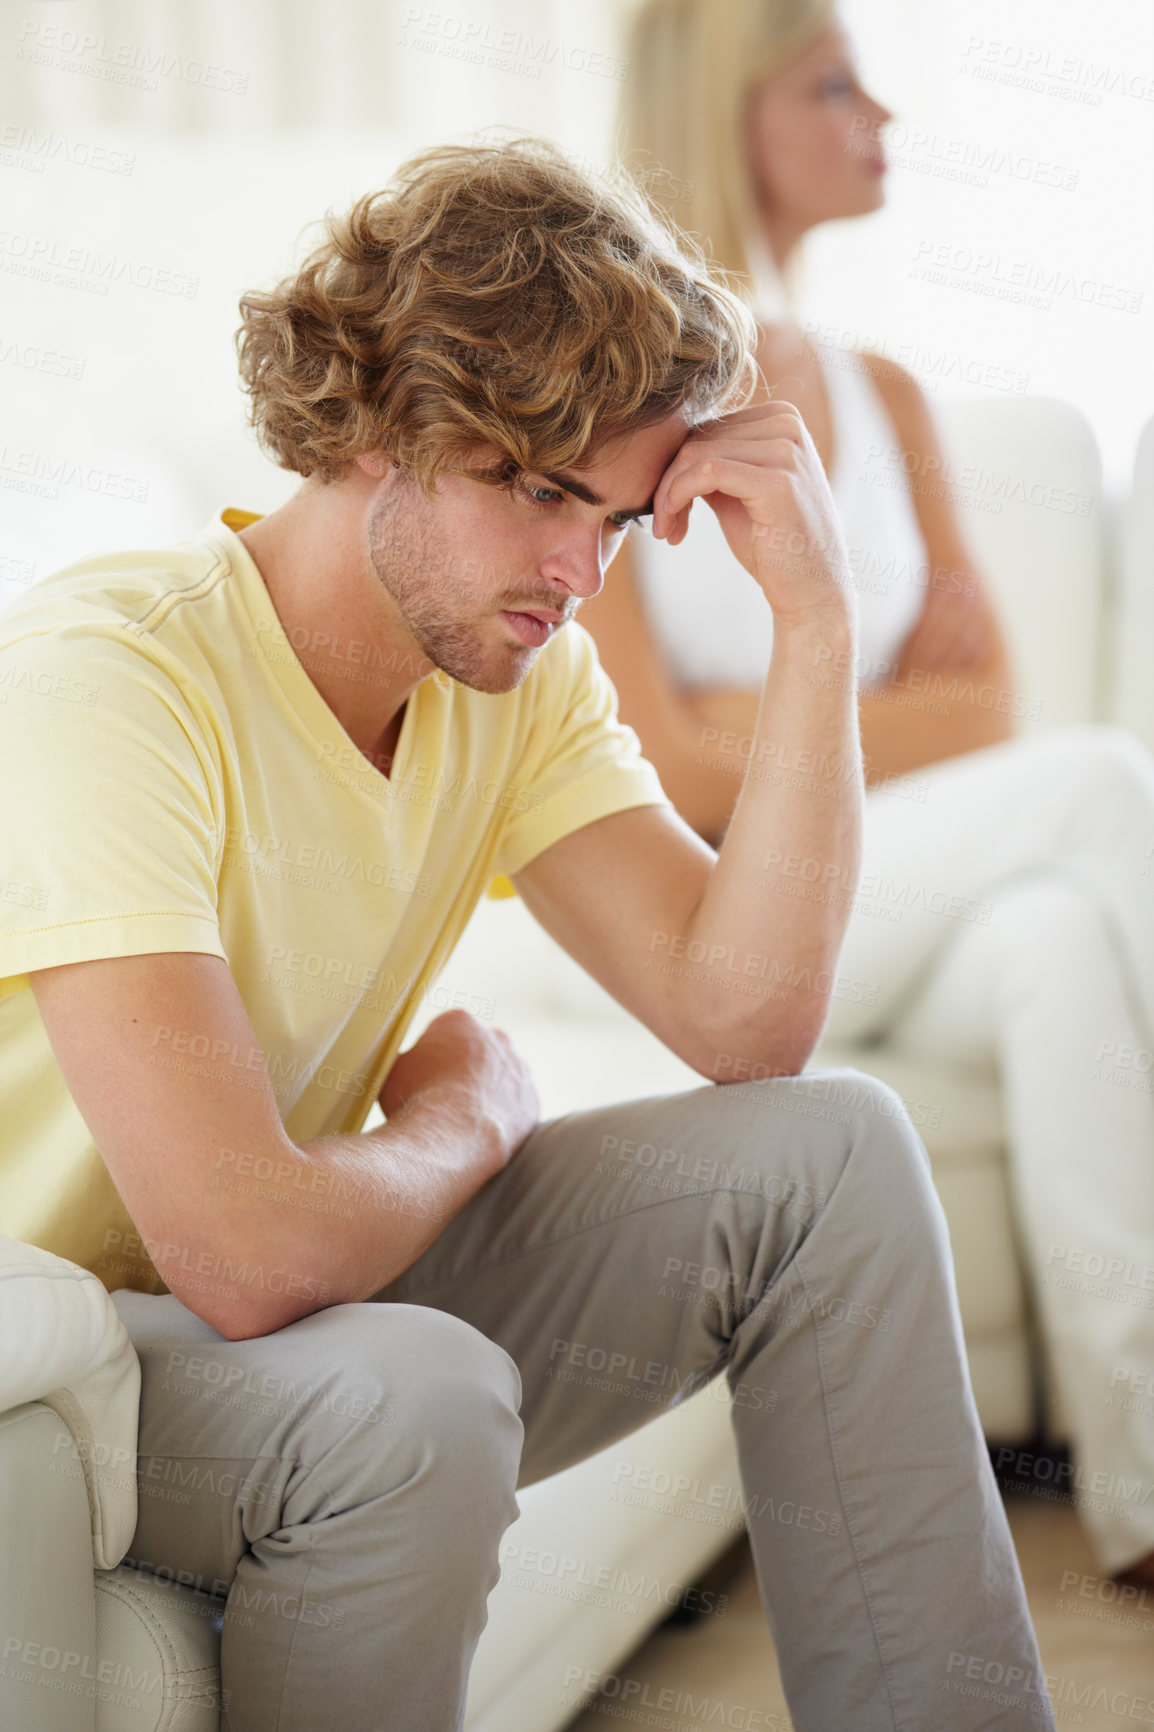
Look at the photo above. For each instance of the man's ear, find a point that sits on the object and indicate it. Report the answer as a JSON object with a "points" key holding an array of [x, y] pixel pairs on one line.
{"points": [[374, 463]]}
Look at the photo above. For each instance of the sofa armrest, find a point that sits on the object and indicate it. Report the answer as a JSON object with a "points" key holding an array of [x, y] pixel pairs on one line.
{"points": [[64, 1345], [49, 1663]]}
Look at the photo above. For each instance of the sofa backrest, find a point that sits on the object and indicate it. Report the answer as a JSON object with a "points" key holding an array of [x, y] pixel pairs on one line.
{"points": [[1026, 477], [1132, 694]]}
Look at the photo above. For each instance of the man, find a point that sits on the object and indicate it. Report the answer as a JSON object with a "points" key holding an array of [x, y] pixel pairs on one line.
{"points": [[256, 785]]}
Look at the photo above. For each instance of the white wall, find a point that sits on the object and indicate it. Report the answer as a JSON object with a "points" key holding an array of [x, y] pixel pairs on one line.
{"points": [[1048, 279], [238, 122]]}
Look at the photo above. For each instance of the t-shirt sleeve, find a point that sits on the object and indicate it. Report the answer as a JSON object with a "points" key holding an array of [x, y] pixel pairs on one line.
{"points": [[585, 764], [111, 804]]}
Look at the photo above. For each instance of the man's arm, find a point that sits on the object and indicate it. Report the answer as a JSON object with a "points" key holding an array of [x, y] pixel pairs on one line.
{"points": [[730, 958], [249, 1229]]}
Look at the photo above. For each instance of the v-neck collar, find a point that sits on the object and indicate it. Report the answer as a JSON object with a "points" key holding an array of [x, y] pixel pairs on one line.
{"points": [[336, 745]]}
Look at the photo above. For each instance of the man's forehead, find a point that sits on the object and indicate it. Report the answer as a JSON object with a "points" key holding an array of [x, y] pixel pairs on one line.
{"points": [[632, 458], [645, 443]]}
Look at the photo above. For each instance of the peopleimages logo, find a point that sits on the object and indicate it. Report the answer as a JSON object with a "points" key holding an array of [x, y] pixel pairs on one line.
{"points": [[24, 147], [1035, 67], [130, 63], [927, 152], [1027, 282], [42, 473], [46, 258], [475, 41], [34, 359]]}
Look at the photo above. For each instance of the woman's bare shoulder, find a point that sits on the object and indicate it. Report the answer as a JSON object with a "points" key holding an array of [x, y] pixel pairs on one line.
{"points": [[903, 396]]}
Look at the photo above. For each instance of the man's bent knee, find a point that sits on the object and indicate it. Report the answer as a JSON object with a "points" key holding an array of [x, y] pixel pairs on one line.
{"points": [[848, 1117], [350, 1367], [450, 1369], [851, 1104], [412, 1366]]}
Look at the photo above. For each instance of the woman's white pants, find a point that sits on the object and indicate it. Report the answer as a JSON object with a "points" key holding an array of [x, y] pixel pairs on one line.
{"points": [[1022, 881]]}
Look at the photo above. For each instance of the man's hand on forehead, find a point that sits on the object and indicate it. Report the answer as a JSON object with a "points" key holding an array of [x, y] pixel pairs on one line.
{"points": [[759, 470]]}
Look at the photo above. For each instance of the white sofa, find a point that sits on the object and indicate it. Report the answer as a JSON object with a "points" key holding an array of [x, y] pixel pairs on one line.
{"points": [[1131, 638], [88, 1644]]}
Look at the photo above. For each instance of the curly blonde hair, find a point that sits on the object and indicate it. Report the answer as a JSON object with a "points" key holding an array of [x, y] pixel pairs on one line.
{"points": [[491, 296]]}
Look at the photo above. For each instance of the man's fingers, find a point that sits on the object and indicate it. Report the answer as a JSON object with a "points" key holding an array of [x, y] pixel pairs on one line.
{"points": [[759, 412], [712, 474], [779, 447], [770, 435], [764, 455], [759, 424], [742, 463]]}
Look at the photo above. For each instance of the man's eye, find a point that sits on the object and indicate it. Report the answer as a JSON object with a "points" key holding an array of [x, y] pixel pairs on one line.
{"points": [[530, 491]]}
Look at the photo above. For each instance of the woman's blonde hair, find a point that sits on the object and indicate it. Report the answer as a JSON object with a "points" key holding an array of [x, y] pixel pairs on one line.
{"points": [[492, 295], [692, 67]]}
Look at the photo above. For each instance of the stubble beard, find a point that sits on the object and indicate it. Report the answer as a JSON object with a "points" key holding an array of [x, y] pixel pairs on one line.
{"points": [[413, 565]]}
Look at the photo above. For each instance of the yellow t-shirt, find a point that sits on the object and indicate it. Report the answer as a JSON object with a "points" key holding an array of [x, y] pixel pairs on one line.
{"points": [[173, 781]]}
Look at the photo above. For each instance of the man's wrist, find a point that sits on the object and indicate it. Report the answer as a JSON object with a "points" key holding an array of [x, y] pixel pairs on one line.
{"points": [[463, 1112], [830, 631]]}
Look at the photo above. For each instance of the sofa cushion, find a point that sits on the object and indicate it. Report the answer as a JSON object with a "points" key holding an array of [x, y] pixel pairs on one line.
{"points": [[161, 1645], [955, 1108]]}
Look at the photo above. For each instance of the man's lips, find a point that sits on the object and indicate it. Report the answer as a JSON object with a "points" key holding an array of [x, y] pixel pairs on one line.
{"points": [[547, 615], [534, 626]]}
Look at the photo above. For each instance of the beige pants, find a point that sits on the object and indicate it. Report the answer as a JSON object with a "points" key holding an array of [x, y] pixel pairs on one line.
{"points": [[359, 1466]]}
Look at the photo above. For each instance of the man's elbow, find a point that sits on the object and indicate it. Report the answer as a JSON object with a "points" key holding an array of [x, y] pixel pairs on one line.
{"points": [[748, 1053], [239, 1321], [231, 1317], [255, 1295], [238, 1326]]}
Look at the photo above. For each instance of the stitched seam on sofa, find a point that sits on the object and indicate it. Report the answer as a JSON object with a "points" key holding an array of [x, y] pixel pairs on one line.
{"points": [[138, 1600]]}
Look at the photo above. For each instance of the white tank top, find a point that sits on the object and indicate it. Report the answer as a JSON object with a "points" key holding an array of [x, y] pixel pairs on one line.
{"points": [[708, 614]]}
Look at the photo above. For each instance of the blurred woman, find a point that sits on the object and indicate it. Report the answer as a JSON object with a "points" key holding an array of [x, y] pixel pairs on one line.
{"points": [[1005, 913]]}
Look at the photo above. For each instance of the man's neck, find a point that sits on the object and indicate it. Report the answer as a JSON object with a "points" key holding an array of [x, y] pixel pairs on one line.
{"points": [[336, 616], [385, 750]]}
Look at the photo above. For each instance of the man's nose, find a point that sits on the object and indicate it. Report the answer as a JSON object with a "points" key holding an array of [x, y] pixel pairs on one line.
{"points": [[579, 565]]}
